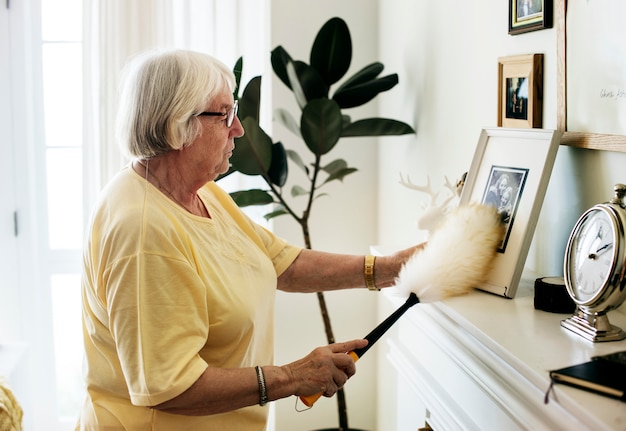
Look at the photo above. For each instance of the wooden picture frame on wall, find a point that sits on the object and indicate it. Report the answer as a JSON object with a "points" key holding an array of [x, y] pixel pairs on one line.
{"points": [[529, 15], [520, 91]]}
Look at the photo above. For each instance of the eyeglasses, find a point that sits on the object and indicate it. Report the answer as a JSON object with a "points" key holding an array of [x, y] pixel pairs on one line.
{"points": [[230, 115]]}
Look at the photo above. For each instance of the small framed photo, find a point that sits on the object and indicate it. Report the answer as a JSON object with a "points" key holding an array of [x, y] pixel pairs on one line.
{"points": [[520, 91], [529, 15], [510, 170]]}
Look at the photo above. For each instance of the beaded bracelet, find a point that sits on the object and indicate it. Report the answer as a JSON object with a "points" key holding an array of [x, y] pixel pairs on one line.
{"points": [[260, 377]]}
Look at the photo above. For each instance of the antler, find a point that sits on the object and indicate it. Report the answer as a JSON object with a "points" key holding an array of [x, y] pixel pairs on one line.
{"points": [[434, 212], [424, 189], [449, 185]]}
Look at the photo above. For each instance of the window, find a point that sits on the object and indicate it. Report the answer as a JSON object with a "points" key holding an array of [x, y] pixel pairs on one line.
{"points": [[48, 182], [61, 38]]}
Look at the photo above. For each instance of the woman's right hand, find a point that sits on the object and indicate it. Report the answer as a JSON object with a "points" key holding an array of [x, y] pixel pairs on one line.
{"points": [[326, 369]]}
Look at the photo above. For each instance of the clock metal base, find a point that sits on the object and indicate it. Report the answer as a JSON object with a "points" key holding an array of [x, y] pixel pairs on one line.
{"points": [[593, 327]]}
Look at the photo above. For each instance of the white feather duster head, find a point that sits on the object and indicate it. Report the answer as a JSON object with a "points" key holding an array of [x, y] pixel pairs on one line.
{"points": [[457, 257]]}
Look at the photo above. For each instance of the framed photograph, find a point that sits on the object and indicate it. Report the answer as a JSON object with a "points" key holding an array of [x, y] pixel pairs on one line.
{"points": [[510, 170], [529, 15], [520, 91]]}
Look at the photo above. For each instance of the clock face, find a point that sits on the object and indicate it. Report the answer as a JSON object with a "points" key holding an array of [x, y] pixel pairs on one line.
{"points": [[591, 255]]}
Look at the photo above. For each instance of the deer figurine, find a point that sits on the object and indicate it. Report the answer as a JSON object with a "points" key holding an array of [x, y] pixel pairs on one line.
{"points": [[438, 205]]}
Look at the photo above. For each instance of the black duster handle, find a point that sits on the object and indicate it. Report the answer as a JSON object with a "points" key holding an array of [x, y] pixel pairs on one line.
{"points": [[384, 326]]}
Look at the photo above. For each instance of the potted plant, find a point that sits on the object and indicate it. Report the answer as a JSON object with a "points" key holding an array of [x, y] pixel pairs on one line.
{"points": [[322, 123]]}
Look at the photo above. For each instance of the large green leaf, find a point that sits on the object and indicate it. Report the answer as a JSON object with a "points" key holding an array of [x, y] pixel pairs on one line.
{"points": [[296, 87], [250, 101], [359, 94], [321, 125], [279, 59], [312, 83], [331, 53], [244, 198], [366, 74], [377, 127], [237, 71], [278, 168], [253, 151]]}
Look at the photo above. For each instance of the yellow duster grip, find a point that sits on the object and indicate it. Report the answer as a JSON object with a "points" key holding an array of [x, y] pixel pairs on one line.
{"points": [[311, 399], [372, 338]]}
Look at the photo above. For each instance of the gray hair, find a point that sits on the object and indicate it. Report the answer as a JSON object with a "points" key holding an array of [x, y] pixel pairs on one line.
{"points": [[161, 93]]}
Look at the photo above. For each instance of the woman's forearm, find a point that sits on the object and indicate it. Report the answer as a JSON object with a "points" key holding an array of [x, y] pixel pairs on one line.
{"points": [[221, 390], [218, 390], [315, 271]]}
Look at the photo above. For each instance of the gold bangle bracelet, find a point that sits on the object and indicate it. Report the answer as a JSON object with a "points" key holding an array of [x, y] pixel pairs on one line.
{"points": [[368, 272]]}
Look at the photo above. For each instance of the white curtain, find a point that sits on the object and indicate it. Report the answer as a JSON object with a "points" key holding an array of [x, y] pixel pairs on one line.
{"points": [[115, 30]]}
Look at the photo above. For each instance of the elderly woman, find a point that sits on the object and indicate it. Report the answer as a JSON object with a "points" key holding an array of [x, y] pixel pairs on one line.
{"points": [[179, 285]]}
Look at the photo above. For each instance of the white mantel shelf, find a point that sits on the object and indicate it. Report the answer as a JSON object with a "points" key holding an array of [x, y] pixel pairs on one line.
{"points": [[481, 362]]}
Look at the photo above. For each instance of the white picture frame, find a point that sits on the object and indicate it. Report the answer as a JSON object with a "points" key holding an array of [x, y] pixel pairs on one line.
{"points": [[523, 159]]}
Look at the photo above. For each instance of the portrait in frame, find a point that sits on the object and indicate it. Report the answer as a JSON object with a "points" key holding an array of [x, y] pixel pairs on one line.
{"points": [[529, 15], [524, 157], [503, 191], [520, 91]]}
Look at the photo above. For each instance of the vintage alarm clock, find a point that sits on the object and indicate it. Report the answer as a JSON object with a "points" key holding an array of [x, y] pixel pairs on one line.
{"points": [[594, 269]]}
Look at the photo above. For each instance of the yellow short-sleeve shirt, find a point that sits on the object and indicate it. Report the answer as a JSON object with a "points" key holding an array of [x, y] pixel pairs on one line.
{"points": [[167, 294]]}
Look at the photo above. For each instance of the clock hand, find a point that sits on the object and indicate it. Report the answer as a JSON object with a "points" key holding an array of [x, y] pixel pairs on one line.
{"points": [[600, 250], [599, 234]]}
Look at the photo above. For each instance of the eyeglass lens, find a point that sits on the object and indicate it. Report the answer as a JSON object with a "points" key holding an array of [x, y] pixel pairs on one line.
{"points": [[230, 115]]}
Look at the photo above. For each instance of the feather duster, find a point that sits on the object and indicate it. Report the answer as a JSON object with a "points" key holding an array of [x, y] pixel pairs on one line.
{"points": [[456, 259]]}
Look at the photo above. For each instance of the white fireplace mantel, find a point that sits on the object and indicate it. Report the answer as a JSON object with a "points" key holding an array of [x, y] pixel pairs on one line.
{"points": [[481, 362]]}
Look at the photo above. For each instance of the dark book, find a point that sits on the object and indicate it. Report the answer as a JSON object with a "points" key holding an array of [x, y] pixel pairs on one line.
{"points": [[605, 375]]}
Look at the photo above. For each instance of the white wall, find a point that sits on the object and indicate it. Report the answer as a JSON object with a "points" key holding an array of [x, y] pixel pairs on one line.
{"points": [[448, 53]]}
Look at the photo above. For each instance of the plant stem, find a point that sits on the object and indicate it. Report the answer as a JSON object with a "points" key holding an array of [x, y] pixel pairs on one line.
{"points": [[342, 410], [304, 224], [330, 337], [316, 171], [278, 194]]}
